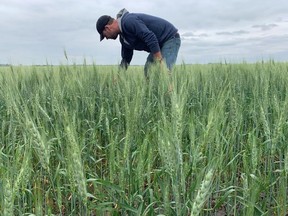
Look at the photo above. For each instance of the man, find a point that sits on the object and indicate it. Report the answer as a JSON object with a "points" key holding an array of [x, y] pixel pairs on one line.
{"points": [[142, 32]]}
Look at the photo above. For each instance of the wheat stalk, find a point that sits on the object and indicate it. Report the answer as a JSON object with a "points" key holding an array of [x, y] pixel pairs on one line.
{"points": [[286, 162], [8, 198], [76, 167], [267, 130], [23, 174], [40, 145], [202, 193]]}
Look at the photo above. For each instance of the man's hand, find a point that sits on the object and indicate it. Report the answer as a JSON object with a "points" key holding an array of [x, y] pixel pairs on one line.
{"points": [[158, 56]]}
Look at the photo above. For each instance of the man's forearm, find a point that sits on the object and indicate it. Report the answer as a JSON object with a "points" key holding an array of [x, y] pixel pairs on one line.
{"points": [[124, 64]]}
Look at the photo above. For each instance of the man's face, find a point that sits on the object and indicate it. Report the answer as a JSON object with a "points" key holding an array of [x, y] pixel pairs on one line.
{"points": [[110, 32]]}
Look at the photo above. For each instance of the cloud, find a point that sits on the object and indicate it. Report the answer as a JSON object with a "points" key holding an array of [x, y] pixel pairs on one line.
{"points": [[265, 27], [193, 36], [240, 32]]}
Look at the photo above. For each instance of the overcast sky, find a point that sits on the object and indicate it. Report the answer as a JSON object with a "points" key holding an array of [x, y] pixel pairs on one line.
{"points": [[38, 31]]}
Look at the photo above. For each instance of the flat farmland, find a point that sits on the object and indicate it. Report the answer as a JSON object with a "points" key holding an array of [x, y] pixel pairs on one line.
{"points": [[93, 140]]}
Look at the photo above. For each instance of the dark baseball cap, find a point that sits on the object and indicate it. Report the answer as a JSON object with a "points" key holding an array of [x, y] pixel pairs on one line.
{"points": [[101, 23]]}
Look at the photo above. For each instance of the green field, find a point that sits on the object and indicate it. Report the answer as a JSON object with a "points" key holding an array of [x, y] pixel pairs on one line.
{"points": [[89, 140]]}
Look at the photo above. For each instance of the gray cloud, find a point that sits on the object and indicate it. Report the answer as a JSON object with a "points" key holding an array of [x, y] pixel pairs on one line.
{"points": [[265, 27], [188, 34], [193, 36], [240, 32]]}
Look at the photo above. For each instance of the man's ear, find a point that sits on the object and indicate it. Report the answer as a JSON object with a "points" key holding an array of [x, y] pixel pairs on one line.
{"points": [[108, 27]]}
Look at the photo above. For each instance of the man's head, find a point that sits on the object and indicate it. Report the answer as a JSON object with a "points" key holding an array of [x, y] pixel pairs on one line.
{"points": [[107, 27]]}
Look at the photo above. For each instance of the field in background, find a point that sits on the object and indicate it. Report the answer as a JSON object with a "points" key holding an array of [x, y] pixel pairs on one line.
{"points": [[87, 140]]}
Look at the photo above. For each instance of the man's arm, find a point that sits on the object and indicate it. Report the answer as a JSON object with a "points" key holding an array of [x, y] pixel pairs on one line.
{"points": [[141, 31], [127, 55], [123, 64]]}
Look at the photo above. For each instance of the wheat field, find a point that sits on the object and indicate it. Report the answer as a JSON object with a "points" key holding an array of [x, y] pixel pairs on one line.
{"points": [[91, 140]]}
